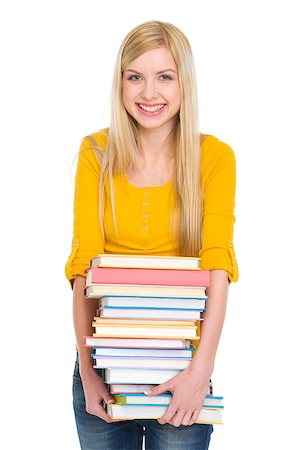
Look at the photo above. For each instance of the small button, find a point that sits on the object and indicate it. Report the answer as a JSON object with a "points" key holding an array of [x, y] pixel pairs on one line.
{"points": [[231, 245], [145, 203], [75, 244], [145, 216], [147, 193], [145, 228]]}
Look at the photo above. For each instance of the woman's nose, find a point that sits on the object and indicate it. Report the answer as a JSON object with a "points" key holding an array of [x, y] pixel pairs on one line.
{"points": [[149, 91]]}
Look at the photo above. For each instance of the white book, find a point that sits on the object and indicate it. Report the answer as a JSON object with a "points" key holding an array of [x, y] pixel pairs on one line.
{"points": [[142, 313], [91, 341], [144, 352], [154, 412], [145, 261], [101, 290], [129, 388], [123, 389], [148, 363], [138, 376]]}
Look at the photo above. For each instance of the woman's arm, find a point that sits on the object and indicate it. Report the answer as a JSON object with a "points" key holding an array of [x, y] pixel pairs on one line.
{"points": [[87, 241], [83, 313], [212, 325], [218, 176], [190, 386], [94, 388]]}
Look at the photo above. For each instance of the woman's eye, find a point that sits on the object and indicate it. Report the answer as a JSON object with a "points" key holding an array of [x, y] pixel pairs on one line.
{"points": [[166, 77], [134, 77]]}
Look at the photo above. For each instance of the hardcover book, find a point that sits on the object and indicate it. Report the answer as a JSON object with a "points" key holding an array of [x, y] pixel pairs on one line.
{"points": [[138, 376], [210, 401], [146, 261], [111, 275], [153, 302], [144, 352], [91, 341], [209, 416], [140, 362], [151, 313], [101, 290]]}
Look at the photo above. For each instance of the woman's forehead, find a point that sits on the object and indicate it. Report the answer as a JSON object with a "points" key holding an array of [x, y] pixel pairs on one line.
{"points": [[156, 60]]}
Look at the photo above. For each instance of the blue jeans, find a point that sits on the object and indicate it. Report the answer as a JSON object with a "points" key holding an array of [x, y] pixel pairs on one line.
{"points": [[96, 434]]}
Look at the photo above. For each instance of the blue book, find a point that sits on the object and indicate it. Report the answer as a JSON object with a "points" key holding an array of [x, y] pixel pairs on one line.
{"points": [[210, 401], [153, 302]]}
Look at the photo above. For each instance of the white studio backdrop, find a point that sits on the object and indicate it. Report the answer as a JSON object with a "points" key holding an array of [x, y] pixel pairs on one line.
{"points": [[57, 63]]}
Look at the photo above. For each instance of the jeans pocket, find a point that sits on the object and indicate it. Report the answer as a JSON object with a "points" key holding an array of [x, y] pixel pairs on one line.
{"points": [[76, 372]]}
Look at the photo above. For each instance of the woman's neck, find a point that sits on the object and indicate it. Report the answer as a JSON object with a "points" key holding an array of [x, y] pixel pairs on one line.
{"points": [[155, 145], [156, 159]]}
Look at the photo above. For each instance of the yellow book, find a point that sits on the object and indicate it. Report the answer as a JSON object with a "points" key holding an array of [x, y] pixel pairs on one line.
{"points": [[144, 332], [136, 330], [148, 322]]}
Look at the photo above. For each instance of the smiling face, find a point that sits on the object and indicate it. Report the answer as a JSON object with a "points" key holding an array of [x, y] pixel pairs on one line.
{"points": [[150, 90]]}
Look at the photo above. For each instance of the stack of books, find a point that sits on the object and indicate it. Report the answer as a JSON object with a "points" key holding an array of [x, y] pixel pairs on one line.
{"points": [[146, 328]]}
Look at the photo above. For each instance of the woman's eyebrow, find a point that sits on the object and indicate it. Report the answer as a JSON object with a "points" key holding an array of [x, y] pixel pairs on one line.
{"points": [[157, 73]]}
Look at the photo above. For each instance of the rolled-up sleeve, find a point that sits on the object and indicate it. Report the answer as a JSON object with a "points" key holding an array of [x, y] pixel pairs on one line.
{"points": [[218, 176], [87, 236]]}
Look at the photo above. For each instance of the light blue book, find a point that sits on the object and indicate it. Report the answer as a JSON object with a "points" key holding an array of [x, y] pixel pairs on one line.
{"points": [[153, 302], [210, 401]]}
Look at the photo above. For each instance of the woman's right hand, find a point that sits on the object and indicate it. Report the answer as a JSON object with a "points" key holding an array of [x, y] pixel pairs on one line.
{"points": [[95, 391]]}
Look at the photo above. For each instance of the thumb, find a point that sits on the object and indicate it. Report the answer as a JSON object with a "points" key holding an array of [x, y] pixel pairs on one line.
{"points": [[108, 398], [160, 389]]}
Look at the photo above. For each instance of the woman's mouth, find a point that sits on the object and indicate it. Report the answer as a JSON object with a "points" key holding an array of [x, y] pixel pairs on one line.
{"points": [[150, 109]]}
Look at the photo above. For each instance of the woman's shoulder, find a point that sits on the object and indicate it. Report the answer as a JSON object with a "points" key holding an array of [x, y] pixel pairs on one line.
{"points": [[92, 148], [212, 146], [96, 141], [213, 150]]}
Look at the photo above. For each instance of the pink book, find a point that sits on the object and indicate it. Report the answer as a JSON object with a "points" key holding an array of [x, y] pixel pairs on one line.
{"points": [[158, 277]]}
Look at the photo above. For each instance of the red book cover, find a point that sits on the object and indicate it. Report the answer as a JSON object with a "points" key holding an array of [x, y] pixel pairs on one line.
{"points": [[158, 277]]}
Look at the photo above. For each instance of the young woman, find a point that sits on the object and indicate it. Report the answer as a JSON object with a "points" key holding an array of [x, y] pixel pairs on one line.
{"points": [[152, 184]]}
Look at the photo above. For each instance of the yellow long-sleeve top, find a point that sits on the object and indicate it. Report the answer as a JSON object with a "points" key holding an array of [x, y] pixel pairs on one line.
{"points": [[143, 213]]}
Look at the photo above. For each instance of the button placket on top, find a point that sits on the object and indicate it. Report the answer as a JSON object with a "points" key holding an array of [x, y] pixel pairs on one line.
{"points": [[145, 214]]}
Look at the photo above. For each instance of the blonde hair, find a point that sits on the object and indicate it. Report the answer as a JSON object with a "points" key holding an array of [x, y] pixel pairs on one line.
{"points": [[123, 141]]}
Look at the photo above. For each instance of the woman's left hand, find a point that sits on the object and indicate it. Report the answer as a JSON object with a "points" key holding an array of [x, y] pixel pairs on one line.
{"points": [[188, 389]]}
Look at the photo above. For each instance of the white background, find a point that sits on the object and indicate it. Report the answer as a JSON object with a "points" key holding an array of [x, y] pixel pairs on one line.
{"points": [[57, 61]]}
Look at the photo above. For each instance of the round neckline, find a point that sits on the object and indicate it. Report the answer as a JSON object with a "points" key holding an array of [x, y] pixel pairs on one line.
{"points": [[145, 187]]}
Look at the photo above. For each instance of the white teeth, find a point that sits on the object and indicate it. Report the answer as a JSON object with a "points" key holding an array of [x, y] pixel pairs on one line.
{"points": [[151, 108]]}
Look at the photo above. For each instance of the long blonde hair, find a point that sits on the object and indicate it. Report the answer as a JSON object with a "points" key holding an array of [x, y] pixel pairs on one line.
{"points": [[123, 141]]}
